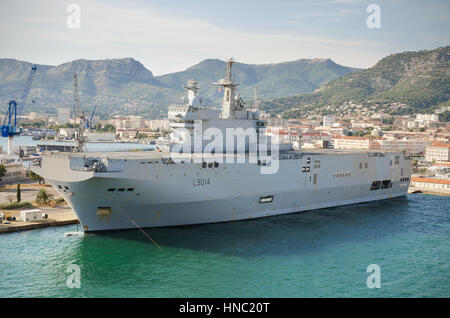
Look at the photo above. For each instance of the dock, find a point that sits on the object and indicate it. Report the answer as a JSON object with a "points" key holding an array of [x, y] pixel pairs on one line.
{"points": [[57, 216]]}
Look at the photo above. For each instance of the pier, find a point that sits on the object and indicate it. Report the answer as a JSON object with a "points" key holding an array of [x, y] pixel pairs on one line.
{"points": [[58, 216]]}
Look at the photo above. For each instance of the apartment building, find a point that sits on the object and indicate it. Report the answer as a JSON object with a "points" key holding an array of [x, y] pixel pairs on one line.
{"points": [[438, 152]]}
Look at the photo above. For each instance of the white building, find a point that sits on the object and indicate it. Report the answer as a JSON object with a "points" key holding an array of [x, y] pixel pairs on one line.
{"points": [[440, 152], [328, 121], [423, 121], [432, 185], [67, 132], [428, 117], [14, 173], [354, 143], [410, 146], [157, 124], [63, 115], [129, 122], [93, 136]]}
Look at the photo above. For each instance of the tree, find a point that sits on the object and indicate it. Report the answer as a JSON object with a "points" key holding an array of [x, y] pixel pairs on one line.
{"points": [[109, 128], [43, 197], [141, 136], [2, 171], [35, 177], [19, 194]]}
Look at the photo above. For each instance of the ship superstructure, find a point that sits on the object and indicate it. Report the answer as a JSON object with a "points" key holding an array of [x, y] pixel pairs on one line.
{"points": [[202, 179]]}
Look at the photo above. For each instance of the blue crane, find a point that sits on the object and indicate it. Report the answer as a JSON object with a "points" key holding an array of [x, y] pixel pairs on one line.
{"points": [[9, 126], [89, 122]]}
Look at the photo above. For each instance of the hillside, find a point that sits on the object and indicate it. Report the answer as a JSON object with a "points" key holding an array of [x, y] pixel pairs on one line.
{"points": [[398, 84], [271, 80], [125, 86]]}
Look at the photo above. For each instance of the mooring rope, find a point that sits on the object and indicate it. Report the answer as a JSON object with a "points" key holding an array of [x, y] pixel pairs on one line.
{"points": [[143, 232]]}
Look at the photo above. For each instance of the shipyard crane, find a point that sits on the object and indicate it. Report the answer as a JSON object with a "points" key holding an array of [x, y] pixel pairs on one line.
{"points": [[9, 126], [80, 139], [89, 122]]}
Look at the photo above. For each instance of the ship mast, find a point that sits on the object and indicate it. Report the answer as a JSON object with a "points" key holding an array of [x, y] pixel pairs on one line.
{"points": [[228, 103], [80, 139]]}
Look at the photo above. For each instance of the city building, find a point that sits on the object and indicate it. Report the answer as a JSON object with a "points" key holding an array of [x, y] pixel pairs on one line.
{"points": [[438, 152], [129, 122], [328, 121], [32, 116], [423, 121], [354, 143], [157, 124], [410, 146], [14, 173], [63, 115], [432, 185], [93, 136], [67, 132]]}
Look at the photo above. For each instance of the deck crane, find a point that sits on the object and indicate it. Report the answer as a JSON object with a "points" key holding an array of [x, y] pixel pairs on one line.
{"points": [[80, 139], [9, 126]]}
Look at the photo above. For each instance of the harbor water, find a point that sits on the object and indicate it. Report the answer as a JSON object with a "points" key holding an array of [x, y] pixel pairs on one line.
{"points": [[90, 146], [323, 253]]}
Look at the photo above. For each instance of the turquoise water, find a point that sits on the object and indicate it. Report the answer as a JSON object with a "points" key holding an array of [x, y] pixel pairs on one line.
{"points": [[321, 253]]}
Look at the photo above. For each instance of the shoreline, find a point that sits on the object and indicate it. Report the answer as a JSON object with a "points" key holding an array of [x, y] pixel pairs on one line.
{"points": [[58, 216]]}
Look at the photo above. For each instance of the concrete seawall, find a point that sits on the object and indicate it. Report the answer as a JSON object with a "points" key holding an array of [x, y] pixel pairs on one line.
{"points": [[58, 216]]}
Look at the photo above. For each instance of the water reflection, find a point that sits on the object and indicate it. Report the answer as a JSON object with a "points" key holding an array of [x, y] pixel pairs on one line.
{"points": [[279, 235]]}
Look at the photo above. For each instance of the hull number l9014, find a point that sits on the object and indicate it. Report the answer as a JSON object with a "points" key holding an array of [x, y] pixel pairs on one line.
{"points": [[200, 182]]}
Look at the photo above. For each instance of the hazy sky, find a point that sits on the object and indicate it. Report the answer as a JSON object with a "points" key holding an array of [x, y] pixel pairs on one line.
{"points": [[168, 35]]}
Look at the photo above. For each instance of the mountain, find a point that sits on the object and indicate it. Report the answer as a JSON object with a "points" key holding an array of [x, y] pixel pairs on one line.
{"points": [[398, 84], [125, 86], [111, 84], [271, 80]]}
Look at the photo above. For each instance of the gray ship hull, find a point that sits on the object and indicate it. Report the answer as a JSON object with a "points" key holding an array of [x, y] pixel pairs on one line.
{"points": [[141, 189]]}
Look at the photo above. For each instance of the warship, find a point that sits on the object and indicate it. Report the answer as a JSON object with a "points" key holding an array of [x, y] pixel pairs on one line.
{"points": [[241, 173]]}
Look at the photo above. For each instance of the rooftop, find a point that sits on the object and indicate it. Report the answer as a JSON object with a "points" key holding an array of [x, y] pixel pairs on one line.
{"points": [[430, 180]]}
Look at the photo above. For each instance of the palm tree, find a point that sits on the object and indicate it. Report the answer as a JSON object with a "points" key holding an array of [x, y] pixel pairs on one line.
{"points": [[43, 197]]}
